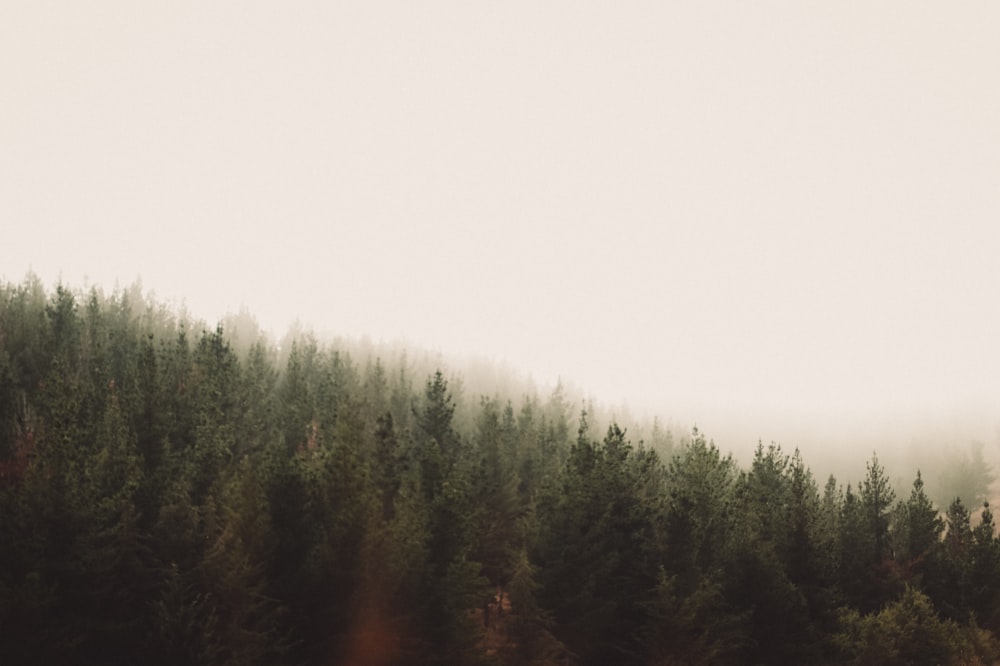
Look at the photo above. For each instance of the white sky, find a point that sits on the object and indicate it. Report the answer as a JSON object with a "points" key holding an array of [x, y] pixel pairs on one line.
{"points": [[697, 207]]}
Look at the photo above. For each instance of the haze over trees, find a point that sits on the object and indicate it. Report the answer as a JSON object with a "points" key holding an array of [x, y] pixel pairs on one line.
{"points": [[172, 493]]}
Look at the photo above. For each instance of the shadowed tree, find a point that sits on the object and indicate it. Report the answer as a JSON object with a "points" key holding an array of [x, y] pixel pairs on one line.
{"points": [[771, 554], [917, 536], [599, 567], [984, 572]]}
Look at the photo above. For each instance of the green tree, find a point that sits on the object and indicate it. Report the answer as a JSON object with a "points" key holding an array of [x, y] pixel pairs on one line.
{"points": [[866, 571], [495, 495], [699, 513], [598, 567], [858, 556], [916, 537], [770, 554], [877, 496], [908, 631], [923, 523], [118, 575], [452, 583], [950, 586], [984, 572]]}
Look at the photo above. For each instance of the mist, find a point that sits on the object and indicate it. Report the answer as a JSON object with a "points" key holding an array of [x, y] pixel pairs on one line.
{"points": [[834, 433], [781, 213]]}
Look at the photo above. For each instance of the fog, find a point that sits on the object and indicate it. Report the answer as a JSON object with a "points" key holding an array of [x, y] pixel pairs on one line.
{"points": [[776, 221]]}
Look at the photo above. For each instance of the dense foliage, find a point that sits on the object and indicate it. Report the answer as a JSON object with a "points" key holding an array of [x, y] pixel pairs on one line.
{"points": [[172, 495]]}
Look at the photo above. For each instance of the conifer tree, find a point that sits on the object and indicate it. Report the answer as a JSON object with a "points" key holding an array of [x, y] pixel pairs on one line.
{"points": [[877, 496], [917, 538], [599, 569], [984, 572]]}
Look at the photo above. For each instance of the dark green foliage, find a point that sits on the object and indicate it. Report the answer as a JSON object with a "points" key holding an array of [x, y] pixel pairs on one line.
{"points": [[867, 575], [599, 566], [923, 526], [696, 626], [916, 529], [495, 502], [699, 510], [984, 572], [771, 563], [906, 632], [176, 494], [876, 497]]}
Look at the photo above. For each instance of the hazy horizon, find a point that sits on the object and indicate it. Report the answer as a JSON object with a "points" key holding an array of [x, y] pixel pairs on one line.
{"points": [[779, 221]]}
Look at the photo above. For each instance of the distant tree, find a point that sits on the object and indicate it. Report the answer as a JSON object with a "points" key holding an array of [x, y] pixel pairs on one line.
{"points": [[965, 474]]}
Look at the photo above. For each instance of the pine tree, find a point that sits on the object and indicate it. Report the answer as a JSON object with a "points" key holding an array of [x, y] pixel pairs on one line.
{"points": [[924, 525], [984, 572], [598, 564], [769, 544], [951, 587], [877, 496]]}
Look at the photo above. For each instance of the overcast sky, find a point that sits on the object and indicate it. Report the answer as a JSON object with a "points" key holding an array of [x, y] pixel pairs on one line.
{"points": [[777, 207]]}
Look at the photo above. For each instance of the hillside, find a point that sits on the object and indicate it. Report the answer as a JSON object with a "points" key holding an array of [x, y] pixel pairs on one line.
{"points": [[174, 493]]}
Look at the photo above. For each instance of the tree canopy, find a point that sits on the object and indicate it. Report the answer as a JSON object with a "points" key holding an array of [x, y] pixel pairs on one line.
{"points": [[172, 493]]}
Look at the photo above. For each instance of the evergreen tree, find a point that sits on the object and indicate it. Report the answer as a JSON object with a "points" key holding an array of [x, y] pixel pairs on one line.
{"points": [[923, 524], [872, 556], [858, 555], [452, 583], [916, 538], [951, 587], [495, 496], [876, 496], [906, 632], [698, 510], [984, 572], [770, 544], [598, 567]]}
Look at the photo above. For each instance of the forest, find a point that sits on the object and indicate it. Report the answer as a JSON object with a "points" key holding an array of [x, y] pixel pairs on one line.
{"points": [[176, 493]]}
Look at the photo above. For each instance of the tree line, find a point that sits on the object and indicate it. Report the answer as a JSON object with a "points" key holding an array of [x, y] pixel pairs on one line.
{"points": [[170, 496]]}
